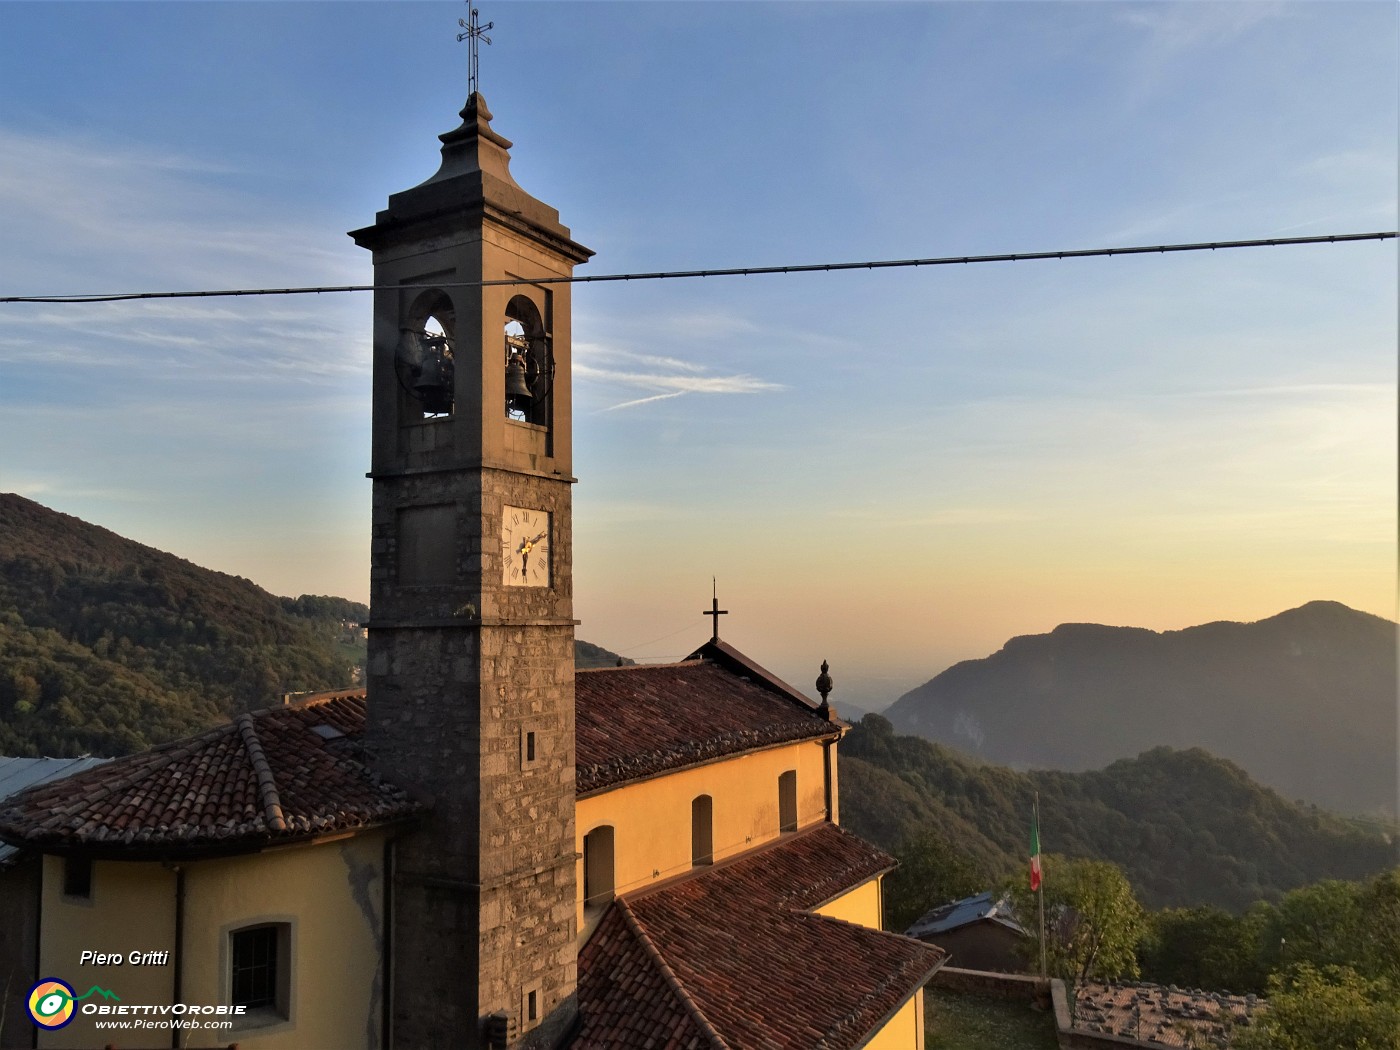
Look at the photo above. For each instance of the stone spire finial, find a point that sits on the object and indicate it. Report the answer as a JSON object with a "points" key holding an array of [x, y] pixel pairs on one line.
{"points": [[475, 145], [824, 684]]}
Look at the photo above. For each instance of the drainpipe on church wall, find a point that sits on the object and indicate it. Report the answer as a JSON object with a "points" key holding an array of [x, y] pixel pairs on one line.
{"points": [[826, 776], [177, 969], [386, 947]]}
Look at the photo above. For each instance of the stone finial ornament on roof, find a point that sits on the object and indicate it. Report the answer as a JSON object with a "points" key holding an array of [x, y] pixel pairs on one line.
{"points": [[824, 685]]}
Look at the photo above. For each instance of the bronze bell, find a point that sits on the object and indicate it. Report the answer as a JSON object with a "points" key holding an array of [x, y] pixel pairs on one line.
{"points": [[518, 393], [433, 384]]}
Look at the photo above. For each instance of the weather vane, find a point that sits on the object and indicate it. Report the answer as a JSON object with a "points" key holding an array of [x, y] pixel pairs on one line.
{"points": [[472, 33]]}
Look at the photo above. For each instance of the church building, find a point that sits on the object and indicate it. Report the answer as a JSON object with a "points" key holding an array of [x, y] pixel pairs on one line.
{"points": [[486, 847]]}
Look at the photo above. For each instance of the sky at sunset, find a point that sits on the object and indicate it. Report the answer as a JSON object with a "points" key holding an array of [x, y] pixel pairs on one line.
{"points": [[891, 469]]}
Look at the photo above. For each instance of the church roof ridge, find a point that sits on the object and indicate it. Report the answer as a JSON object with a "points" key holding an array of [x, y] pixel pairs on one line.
{"points": [[638, 667], [267, 783], [669, 975]]}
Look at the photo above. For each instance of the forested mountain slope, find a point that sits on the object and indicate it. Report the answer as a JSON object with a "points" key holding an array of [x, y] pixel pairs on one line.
{"points": [[1305, 701], [1186, 827], [108, 646]]}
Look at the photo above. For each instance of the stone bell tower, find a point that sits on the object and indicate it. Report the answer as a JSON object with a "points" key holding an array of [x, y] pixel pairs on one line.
{"points": [[471, 660]]}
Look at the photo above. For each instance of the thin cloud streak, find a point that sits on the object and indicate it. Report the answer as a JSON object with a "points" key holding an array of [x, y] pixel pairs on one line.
{"points": [[645, 400], [668, 377]]}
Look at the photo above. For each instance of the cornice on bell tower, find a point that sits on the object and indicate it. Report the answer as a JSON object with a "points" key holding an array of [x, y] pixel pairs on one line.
{"points": [[474, 176]]}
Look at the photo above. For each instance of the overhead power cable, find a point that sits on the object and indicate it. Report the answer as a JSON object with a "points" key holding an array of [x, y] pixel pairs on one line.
{"points": [[736, 271]]}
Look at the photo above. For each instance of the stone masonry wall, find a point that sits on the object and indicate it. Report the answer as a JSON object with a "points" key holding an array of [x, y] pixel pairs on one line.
{"points": [[462, 673]]}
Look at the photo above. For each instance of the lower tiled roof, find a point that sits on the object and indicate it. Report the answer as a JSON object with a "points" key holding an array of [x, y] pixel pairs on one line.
{"points": [[17, 774], [733, 956], [280, 774]]}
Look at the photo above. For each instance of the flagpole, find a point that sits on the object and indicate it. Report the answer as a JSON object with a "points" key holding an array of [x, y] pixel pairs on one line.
{"points": [[1040, 889]]}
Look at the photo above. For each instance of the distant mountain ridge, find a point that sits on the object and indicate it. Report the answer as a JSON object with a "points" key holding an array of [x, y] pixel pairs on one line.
{"points": [[1304, 701]]}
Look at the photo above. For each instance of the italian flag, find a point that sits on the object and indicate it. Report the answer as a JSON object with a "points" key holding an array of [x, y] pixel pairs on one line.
{"points": [[1035, 848]]}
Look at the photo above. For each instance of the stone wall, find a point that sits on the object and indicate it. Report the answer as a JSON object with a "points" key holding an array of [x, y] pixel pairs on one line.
{"points": [[988, 983], [1019, 986]]}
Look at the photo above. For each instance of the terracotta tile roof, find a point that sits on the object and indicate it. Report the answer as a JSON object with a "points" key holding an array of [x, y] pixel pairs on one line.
{"points": [[635, 722], [293, 771], [732, 956], [278, 774], [627, 995]]}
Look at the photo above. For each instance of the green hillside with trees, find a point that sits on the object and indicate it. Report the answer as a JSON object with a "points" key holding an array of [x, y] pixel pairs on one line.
{"points": [[108, 646], [1187, 829]]}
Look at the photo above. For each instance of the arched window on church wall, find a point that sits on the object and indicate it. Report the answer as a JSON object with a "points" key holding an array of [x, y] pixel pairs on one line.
{"points": [[702, 830], [787, 801], [598, 885]]}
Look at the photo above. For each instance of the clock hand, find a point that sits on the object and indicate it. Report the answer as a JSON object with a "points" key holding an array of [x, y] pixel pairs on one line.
{"points": [[527, 545]]}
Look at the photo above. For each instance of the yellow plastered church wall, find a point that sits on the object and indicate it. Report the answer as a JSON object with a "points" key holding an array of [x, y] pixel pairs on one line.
{"points": [[331, 895], [904, 1030], [862, 905], [651, 819], [131, 908]]}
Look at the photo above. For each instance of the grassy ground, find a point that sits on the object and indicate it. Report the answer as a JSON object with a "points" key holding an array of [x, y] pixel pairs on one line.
{"points": [[971, 1022]]}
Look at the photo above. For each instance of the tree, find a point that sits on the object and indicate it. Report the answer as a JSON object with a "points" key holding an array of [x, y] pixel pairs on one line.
{"points": [[1093, 921], [1319, 924], [1205, 948], [932, 871], [1334, 1008], [1380, 936]]}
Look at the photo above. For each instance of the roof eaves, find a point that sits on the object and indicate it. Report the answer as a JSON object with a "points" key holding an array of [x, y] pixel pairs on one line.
{"points": [[155, 759], [899, 976], [688, 662], [855, 886], [661, 769], [879, 1026]]}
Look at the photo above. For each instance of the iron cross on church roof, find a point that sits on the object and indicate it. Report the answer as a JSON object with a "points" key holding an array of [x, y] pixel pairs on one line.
{"points": [[472, 33], [714, 609]]}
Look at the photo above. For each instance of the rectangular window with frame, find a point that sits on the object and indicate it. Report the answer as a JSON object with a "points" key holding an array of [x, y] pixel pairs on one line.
{"points": [[259, 969]]}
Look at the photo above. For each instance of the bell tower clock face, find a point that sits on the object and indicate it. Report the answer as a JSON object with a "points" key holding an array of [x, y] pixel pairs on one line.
{"points": [[525, 551]]}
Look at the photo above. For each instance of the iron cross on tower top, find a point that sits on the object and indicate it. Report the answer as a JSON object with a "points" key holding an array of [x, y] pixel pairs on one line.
{"points": [[472, 32]]}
